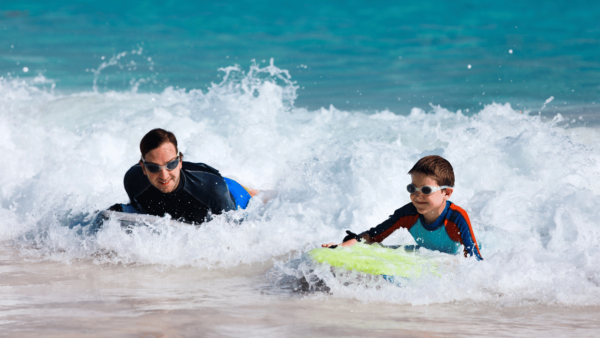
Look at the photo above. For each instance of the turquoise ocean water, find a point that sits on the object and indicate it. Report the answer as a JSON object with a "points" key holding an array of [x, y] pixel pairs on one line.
{"points": [[323, 106], [355, 55]]}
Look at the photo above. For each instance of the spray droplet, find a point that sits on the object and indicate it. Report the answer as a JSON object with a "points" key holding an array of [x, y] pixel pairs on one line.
{"points": [[25, 69], [469, 66], [510, 51]]}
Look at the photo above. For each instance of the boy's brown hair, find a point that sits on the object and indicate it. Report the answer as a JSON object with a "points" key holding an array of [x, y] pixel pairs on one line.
{"points": [[435, 167]]}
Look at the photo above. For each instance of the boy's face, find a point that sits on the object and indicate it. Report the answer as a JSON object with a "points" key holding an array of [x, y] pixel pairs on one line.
{"points": [[431, 205]]}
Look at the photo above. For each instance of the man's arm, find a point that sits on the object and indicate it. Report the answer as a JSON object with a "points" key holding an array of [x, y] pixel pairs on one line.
{"points": [[211, 190], [220, 198]]}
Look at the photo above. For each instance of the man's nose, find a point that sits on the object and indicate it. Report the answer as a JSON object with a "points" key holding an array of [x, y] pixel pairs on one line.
{"points": [[164, 173]]}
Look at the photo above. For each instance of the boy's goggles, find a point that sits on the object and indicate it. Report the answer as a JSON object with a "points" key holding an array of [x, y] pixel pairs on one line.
{"points": [[154, 168], [425, 190]]}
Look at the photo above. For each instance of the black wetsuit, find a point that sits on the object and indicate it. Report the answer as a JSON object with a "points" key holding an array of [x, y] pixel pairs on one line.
{"points": [[200, 193]]}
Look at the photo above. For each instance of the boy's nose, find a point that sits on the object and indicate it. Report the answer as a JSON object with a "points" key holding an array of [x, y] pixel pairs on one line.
{"points": [[420, 196]]}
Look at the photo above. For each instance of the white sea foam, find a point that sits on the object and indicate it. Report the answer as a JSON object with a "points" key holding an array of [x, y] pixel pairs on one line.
{"points": [[531, 188]]}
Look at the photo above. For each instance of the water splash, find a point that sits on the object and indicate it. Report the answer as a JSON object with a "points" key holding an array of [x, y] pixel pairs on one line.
{"points": [[529, 186], [124, 62]]}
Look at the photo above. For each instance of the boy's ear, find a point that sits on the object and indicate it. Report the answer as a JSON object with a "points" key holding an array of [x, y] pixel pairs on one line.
{"points": [[448, 192]]}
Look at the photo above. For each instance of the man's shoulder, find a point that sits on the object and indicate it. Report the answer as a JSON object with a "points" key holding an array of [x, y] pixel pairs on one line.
{"points": [[135, 180], [191, 168], [203, 179], [206, 184], [135, 170], [456, 213]]}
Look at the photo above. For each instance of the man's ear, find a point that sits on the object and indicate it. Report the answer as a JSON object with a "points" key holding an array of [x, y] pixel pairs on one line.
{"points": [[143, 168]]}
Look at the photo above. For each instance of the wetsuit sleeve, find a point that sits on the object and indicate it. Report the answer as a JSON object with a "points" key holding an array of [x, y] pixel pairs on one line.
{"points": [[135, 183], [404, 217], [460, 228], [211, 190], [220, 199]]}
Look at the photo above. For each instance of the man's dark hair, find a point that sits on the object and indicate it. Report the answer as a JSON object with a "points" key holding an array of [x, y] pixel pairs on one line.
{"points": [[156, 138], [435, 167]]}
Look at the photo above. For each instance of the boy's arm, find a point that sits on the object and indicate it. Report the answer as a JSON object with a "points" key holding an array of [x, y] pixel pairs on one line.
{"points": [[404, 217], [380, 232], [349, 240], [465, 230]]}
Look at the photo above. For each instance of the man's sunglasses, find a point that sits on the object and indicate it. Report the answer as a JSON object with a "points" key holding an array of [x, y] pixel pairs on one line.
{"points": [[154, 168], [425, 190]]}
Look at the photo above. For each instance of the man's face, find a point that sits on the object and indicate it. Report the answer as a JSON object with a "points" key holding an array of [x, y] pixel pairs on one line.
{"points": [[432, 204], [164, 180]]}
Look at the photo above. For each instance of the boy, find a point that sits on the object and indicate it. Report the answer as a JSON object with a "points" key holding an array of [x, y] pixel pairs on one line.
{"points": [[434, 222]]}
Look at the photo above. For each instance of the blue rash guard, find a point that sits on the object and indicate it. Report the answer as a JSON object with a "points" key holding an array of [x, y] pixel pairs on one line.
{"points": [[451, 230]]}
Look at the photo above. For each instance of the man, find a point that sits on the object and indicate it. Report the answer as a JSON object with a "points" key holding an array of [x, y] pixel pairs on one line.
{"points": [[161, 183]]}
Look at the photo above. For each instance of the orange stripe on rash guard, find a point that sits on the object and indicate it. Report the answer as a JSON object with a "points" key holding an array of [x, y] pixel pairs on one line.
{"points": [[404, 222], [466, 217], [452, 230], [454, 234]]}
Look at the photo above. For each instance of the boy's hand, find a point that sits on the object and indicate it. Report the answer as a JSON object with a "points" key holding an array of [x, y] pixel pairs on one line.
{"points": [[347, 243], [350, 242]]}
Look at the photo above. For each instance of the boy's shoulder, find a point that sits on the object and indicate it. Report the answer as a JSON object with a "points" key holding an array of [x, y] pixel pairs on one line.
{"points": [[455, 212], [407, 210]]}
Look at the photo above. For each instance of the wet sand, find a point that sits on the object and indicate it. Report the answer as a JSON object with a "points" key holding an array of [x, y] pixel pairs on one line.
{"points": [[82, 299]]}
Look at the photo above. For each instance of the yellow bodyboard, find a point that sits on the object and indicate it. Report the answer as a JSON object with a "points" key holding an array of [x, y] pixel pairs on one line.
{"points": [[376, 260]]}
